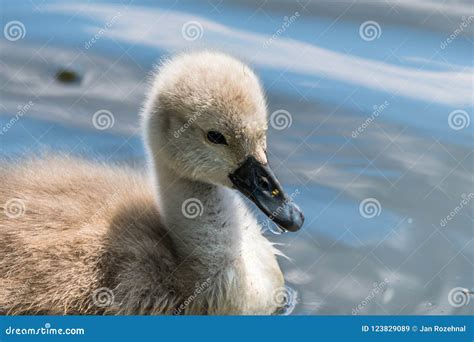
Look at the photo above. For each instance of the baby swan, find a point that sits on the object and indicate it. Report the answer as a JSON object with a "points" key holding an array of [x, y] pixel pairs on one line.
{"points": [[101, 239]]}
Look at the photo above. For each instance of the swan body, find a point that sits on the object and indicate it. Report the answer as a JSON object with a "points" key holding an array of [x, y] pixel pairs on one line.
{"points": [[81, 237]]}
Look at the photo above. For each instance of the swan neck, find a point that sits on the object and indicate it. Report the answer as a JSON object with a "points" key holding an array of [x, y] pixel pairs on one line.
{"points": [[202, 219]]}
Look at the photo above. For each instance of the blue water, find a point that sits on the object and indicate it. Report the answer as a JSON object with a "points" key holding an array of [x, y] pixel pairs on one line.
{"points": [[320, 69]]}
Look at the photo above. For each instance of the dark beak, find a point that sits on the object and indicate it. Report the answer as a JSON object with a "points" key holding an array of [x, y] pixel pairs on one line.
{"points": [[257, 181]]}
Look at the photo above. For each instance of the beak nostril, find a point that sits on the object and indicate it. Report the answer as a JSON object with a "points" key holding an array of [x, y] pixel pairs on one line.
{"points": [[264, 183]]}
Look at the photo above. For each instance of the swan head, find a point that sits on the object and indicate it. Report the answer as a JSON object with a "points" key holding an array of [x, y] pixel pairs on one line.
{"points": [[206, 119]]}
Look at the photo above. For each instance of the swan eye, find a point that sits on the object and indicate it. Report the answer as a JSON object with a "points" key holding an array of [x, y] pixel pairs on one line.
{"points": [[216, 138]]}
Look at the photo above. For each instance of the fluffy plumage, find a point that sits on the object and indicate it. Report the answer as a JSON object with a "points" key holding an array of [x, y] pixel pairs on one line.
{"points": [[104, 239]]}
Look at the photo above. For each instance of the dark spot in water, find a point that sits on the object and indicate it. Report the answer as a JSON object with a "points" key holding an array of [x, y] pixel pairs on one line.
{"points": [[68, 76]]}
